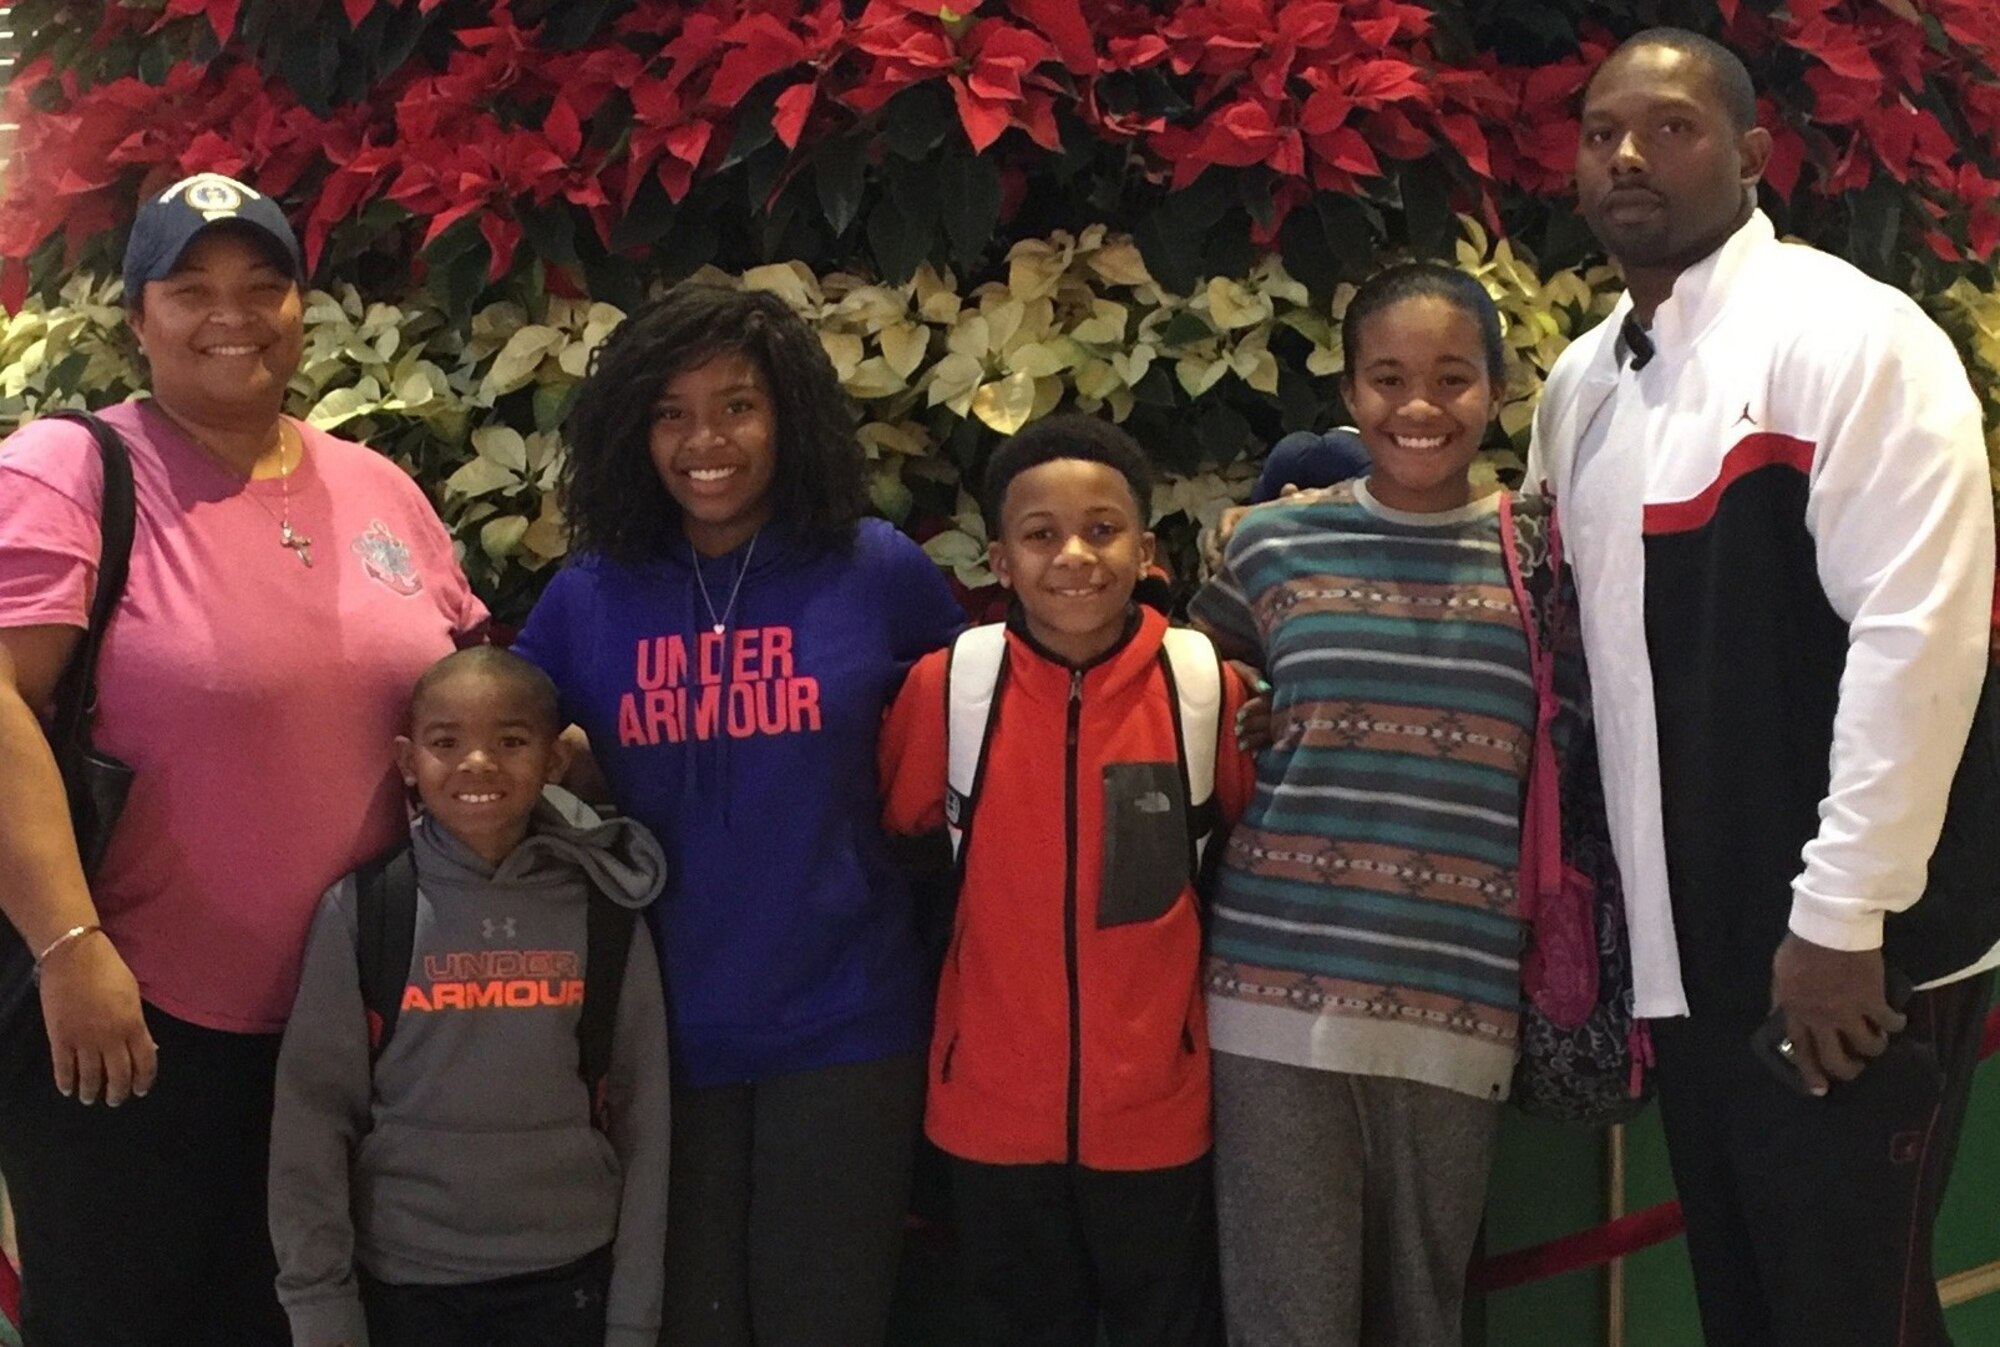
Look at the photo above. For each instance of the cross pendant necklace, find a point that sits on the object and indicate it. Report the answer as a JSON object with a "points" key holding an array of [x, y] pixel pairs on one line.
{"points": [[289, 538], [296, 541]]}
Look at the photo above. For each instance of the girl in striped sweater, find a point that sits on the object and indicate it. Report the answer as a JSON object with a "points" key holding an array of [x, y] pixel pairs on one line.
{"points": [[1363, 978]]}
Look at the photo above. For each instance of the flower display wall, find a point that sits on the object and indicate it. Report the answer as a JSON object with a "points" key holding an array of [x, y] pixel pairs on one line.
{"points": [[988, 209]]}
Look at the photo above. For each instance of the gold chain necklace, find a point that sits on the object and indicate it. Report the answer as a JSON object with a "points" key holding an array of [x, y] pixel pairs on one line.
{"points": [[289, 538]]}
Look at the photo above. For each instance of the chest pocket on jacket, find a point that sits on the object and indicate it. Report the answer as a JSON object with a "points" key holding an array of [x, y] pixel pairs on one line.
{"points": [[1145, 842]]}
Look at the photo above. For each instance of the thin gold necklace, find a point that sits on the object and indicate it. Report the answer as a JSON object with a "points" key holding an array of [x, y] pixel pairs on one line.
{"points": [[289, 538]]}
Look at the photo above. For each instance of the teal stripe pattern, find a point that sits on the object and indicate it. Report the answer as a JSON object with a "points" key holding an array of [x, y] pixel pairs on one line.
{"points": [[1380, 849]]}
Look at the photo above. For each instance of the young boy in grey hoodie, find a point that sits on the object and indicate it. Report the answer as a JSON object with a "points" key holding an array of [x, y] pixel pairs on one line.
{"points": [[456, 1191]]}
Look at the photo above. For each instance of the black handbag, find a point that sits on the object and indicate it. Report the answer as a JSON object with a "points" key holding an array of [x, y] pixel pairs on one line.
{"points": [[95, 783]]}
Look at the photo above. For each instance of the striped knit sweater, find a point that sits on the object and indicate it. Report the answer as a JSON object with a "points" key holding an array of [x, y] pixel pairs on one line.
{"points": [[1366, 918]]}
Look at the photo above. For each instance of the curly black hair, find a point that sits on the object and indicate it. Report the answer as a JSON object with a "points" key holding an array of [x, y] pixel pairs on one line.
{"points": [[611, 493], [1066, 435]]}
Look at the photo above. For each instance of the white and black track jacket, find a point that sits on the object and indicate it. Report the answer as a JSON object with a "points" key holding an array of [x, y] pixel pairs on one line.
{"points": [[1783, 535]]}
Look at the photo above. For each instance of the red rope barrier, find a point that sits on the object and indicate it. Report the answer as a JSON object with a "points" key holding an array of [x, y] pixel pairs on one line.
{"points": [[1614, 1239], [1586, 1248]]}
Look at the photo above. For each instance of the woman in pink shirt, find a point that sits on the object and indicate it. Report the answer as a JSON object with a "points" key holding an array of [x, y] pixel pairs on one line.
{"points": [[286, 588]]}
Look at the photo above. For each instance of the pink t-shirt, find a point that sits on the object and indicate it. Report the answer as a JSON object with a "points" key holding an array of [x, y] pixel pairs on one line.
{"points": [[255, 698]]}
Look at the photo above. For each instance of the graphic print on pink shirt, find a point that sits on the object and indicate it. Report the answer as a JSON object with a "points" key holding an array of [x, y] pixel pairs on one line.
{"points": [[386, 558]]}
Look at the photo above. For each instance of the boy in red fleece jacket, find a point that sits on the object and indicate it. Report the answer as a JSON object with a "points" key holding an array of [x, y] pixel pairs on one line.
{"points": [[1069, 1065]]}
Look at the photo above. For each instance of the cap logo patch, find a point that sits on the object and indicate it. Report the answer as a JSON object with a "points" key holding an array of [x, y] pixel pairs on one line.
{"points": [[216, 197]]}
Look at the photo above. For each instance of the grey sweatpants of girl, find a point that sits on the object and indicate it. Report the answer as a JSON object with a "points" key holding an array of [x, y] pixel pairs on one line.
{"points": [[1347, 1205]]}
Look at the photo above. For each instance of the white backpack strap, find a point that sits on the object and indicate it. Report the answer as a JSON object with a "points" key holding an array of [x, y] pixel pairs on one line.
{"points": [[972, 681], [1196, 669]]}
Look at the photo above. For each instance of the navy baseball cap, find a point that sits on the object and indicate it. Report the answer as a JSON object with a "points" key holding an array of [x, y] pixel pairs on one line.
{"points": [[168, 223]]}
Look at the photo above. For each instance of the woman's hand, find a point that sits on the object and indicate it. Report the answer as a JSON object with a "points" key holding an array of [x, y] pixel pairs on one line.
{"points": [[97, 1036], [98, 1040], [1253, 718]]}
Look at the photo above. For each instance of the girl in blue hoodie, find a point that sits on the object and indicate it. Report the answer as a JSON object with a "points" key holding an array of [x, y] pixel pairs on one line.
{"points": [[728, 632]]}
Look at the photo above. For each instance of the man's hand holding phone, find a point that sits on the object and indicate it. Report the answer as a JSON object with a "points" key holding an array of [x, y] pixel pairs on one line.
{"points": [[1832, 1011]]}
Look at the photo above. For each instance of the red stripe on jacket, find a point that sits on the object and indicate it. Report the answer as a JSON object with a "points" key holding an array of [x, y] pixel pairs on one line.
{"points": [[1747, 455]]}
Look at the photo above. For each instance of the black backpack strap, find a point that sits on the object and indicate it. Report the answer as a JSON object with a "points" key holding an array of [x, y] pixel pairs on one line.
{"points": [[76, 689], [386, 929], [607, 948]]}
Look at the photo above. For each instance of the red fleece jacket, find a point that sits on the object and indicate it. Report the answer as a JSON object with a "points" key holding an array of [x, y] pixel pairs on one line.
{"points": [[1031, 970]]}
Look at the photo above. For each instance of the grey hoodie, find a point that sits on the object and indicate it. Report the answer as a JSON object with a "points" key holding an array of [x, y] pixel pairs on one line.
{"points": [[468, 1154]]}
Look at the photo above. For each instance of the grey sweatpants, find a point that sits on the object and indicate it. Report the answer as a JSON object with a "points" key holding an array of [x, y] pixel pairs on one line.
{"points": [[1347, 1205]]}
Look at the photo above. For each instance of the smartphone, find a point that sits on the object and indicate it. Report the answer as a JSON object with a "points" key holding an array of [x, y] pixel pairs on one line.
{"points": [[1764, 1041]]}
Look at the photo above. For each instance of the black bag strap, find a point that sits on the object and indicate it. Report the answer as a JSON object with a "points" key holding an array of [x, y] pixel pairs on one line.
{"points": [[607, 947], [76, 689], [386, 937]]}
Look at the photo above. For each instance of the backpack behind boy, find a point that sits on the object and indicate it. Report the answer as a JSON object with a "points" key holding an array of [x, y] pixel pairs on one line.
{"points": [[975, 674], [386, 921]]}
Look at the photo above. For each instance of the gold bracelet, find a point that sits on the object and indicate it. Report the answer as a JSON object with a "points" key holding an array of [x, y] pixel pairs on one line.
{"points": [[69, 937]]}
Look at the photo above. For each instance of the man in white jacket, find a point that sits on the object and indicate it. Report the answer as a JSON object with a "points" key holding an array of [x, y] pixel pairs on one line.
{"points": [[1773, 486]]}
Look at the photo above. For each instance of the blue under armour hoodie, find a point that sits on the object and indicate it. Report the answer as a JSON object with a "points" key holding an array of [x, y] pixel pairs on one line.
{"points": [[786, 931]]}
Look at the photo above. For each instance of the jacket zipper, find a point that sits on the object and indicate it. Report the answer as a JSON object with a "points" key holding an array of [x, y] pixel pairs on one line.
{"points": [[1070, 917]]}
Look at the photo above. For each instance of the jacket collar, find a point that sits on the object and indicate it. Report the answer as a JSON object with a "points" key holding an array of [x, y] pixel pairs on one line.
{"points": [[1702, 291], [1044, 674]]}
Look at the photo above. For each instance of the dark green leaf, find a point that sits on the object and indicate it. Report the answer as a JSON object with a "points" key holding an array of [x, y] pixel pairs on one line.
{"points": [[647, 220], [551, 232], [615, 281], [1307, 254], [572, 23], [690, 244], [1566, 240], [67, 371], [552, 403], [1172, 237], [917, 120], [1157, 387], [1875, 215], [401, 28], [1427, 209], [1224, 433], [154, 63], [1184, 327], [308, 62], [914, 189], [762, 172], [840, 168], [1300, 406], [898, 244], [754, 129], [1254, 193], [1172, 255], [969, 202], [462, 279], [1176, 445], [775, 222], [966, 445]]}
